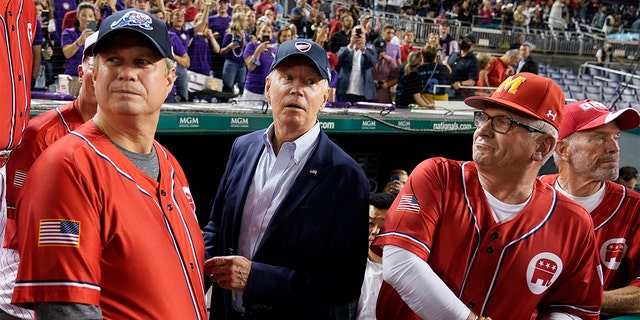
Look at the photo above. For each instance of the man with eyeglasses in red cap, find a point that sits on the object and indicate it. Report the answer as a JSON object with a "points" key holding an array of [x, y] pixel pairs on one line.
{"points": [[587, 156], [485, 238]]}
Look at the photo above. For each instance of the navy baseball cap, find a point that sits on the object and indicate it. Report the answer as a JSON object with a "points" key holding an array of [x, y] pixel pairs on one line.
{"points": [[135, 21], [305, 48]]}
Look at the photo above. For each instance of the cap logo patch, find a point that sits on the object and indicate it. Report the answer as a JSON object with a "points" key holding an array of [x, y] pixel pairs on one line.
{"points": [[135, 19], [511, 84], [551, 115], [302, 46], [591, 104]]}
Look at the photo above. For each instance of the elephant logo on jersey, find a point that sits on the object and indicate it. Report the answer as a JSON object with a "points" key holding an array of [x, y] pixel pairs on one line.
{"points": [[542, 271], [187, 194], [612, 252]]}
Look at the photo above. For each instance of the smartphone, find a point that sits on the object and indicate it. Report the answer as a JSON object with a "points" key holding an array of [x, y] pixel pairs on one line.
{"points": [[235, 39], [439, 55], [92, 25], [266, 39], [45, 15], [394, 177], [358, 32]]}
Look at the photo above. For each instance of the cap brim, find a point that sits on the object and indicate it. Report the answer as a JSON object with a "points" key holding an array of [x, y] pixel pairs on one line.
{"points": [[626, 119], [481, 102], [104, 39]]}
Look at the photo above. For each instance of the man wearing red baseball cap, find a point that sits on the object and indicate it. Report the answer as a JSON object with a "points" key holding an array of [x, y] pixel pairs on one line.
{"points": [[587, 156], [486, 238]]}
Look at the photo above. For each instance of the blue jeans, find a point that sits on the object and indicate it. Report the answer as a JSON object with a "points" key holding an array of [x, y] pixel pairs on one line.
{"points": [[182, 83], [233, 73]]}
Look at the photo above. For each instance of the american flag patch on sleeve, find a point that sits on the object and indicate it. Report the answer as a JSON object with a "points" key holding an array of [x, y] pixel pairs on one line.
{"points": [[408, 203], [59, 233]]}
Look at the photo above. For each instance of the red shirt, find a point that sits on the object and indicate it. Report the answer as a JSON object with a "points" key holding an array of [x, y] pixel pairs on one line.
{"points": [[111, 235], [405, 50], [443, 217], [17, 19]]}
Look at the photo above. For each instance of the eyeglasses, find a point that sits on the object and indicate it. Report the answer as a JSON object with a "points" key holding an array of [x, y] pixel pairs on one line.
{"points": [[500, 124]]}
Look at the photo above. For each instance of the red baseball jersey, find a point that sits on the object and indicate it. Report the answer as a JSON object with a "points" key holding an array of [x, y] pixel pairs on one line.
{"points": [[617, 227], [94, 229], [41, 132], [18, 21], [543, 258]]}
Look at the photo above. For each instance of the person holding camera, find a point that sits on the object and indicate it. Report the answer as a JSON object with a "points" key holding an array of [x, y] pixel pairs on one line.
{"points": [[355, 78], [73, 39], [234, 41], [258, 56]]}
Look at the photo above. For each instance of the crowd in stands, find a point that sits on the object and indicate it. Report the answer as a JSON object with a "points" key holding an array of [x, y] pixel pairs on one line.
{"points": [[236, 41]]}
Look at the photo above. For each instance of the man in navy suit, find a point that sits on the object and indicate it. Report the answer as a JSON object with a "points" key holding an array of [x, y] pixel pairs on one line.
{"points": [[287, 236]]}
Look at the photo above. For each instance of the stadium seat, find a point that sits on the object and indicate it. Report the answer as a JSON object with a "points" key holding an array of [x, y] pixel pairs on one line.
{"points": [[593, 89]]}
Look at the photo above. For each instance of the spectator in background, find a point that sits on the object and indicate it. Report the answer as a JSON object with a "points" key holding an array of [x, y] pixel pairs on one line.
{"points": [[502, 67], [407, 45], [202, 45], [284, 34], [526, 63], [605, 56], [333, 62], [299, 15], [379, 204], [190, 11], [181, 38], [263, 6], [342, 37], [434, 75], [599, 17], [38, 78], [628, 17], [393, 50], [611, 23], [73, 43], [485, 14], [397, 179], [587, 156], [464, 67], [408, 89], [465, 15], [233, 44], [41, 132], [300, 254], [355, 78], [385, 72], [219, 23], [557, 15], [321, 37], [447, 43], [628, 177], [258, 56], [484, 60]]}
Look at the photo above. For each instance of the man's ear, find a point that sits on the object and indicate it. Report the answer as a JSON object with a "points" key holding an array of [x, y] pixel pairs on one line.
{"points": [[545, 145]]}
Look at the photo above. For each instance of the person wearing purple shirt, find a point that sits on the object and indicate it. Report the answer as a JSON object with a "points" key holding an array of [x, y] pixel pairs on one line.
{"points": [[258, 57], [218, 24], [183, 61], [234, 41], [72, 43]]}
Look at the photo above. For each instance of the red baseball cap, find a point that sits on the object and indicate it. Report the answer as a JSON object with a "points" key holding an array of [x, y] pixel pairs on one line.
{"points": [[527, 93], [589, 114], [333, 59]]}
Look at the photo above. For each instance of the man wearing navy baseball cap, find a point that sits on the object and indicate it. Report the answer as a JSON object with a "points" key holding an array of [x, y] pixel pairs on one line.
{"points": [[288, 191], [109, 205]]}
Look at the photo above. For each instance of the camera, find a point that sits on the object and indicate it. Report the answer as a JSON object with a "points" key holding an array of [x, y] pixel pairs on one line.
{"points": [[358, 32], [266, 39], [92, 25], [394, 177], [45, 15], [235, 39]]}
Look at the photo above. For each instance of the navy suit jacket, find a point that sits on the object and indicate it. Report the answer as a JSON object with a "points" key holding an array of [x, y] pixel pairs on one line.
{"points": [[313, 254]]}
